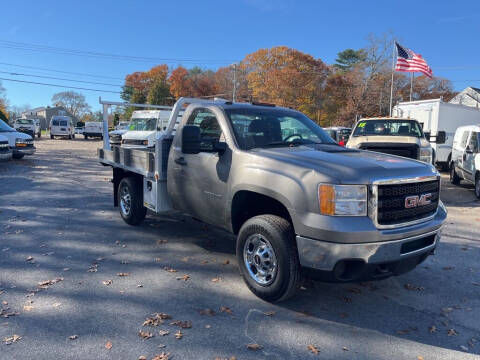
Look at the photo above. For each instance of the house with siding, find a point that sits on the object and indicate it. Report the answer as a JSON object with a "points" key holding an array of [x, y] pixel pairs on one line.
{"points": [[469, 97], [45, 114]]}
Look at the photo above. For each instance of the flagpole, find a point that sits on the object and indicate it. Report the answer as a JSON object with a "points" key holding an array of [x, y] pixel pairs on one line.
{"points": [[412, 74], [393, 71]]}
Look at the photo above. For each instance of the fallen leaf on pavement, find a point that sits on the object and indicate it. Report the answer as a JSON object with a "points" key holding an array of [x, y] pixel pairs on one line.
{"points": [[28, 307], [208, 312], [226, 310], [46, 283], [108, 345], [183, 324], [163, 332], [184, 277], [313, 349], [30, 258], [419, 357], [217, 279], [344, 348], [413, 287], [162, 356], [123, 274], [226, 262], [269, 313], [145, 334], [107, 282], [452, 332], [178, 335], [166, 268], [142, 357], [73, 337], [432, 329], [11, 339], [254, 347]]}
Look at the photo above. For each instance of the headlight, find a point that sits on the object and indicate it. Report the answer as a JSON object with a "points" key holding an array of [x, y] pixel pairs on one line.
{"points": [[3, 145], [425, 155], [343, 200]]}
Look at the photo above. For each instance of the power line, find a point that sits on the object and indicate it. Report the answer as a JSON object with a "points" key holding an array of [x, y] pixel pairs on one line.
{"points": [[93, 54], [62, 86], [62, 72], [57, 78]]}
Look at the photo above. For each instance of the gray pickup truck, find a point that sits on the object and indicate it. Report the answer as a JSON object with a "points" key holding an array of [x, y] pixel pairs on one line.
{"points": [[299, 204]]}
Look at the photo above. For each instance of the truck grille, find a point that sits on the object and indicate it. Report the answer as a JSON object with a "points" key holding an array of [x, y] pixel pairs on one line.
{"points": [[405, 150], [402, 203]]}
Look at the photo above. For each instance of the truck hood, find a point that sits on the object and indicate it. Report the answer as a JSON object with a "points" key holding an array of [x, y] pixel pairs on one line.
{"points": [[138, 135], [388, 139], [339, 165]]}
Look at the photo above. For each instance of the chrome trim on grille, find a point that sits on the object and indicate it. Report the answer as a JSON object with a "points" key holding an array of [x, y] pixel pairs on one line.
{"points": [[373, 199]]}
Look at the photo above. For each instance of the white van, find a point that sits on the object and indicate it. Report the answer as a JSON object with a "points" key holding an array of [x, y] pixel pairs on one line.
{"points": [[28, 126], [465, 163], [93, 129], [439, 121], [62, 126], [20, 144], [5, 151], [143, 127]]}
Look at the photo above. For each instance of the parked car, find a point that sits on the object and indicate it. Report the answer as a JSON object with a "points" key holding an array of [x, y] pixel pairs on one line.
{"points": [[5, 151], [339, 134], [93, 129], [28, 126], [116, 136], [395, 136], [61, 126], [20, 144], [143, 127], [465, 163], [439, 120], [298, 203]]}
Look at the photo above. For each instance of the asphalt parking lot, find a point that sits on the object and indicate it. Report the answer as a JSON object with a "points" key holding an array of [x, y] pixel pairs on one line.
{"points": [[76, 282]]}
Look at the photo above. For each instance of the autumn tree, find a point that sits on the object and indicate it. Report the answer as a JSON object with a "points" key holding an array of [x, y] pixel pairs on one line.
{"points": [[72, 101], [159, 93], [3, 104], [179, 85], [286, 77], [224, 82]]}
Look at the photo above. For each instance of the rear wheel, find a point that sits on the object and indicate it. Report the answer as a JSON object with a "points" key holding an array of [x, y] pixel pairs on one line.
{"points": [[39, 135], [130, 197], [267, 257], [85, 136], [18, 156], [51, 136], [454, 178]]}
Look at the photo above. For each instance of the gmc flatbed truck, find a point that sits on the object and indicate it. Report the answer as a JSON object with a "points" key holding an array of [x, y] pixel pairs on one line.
{"points": [[299, 204]]}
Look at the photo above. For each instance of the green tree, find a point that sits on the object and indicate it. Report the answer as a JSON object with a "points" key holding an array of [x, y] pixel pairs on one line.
{"points": [[346, 59], [159, 93]]}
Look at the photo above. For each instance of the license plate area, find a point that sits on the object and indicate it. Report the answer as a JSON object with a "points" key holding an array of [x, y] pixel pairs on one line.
{"points": [[417, 244]]}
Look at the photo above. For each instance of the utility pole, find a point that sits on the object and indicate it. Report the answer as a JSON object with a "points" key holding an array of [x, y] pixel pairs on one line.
{"points": [[234, 93]]}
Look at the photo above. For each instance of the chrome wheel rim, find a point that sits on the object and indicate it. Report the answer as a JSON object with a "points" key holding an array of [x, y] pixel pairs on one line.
{"points": [[125, 200], [260, 260]]}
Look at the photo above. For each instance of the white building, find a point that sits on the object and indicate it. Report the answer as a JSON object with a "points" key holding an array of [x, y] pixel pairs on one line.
{"points": [[469, 97]]}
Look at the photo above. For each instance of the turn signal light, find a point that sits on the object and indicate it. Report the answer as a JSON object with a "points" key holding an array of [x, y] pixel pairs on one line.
{"points": [[326, 196]]}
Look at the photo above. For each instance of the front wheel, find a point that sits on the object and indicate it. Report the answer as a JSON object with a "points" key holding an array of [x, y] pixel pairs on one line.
{"points": [[267, 257], [130, 197], [51, 137], [18, 156], [39, 135], [454, 178]]}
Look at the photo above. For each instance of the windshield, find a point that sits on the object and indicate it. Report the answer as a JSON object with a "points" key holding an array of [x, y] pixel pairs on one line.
{"points": [[386, 127], [254, 127], [143, 124], [5, 128], [24, 121]]}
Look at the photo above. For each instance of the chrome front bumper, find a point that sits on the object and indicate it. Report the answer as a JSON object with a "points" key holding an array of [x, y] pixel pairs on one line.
{"points": [[25, 150], [323, 255]]}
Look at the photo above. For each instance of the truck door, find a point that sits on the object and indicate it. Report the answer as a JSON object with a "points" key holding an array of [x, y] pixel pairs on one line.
{"points": [[462, 157], [469, 156], [201, 179]]}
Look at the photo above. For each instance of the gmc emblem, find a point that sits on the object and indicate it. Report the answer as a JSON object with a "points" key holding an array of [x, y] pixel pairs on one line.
{"points": [[415, 200]]}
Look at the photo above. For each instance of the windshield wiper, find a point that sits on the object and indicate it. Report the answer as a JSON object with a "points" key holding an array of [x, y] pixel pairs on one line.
{"points": [[291, 143]]}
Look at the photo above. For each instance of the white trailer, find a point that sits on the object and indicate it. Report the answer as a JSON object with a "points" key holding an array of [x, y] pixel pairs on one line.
{"points": [[440, 120]]}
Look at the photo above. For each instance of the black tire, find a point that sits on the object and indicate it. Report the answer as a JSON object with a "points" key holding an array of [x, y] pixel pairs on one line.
{"points": [[477, 185], [133, 212], [73, 136], [281, 237], [39, 135], [18, 156], [86, 137], [454, 178], [51, 137]]}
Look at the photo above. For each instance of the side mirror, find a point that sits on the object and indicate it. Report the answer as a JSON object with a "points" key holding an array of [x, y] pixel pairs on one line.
{"points": [[441, 137], [427, 136], [190, 139], [220, 147]]}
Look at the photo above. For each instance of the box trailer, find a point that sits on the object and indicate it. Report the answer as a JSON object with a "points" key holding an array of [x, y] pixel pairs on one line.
{"points": [[440, 120]]}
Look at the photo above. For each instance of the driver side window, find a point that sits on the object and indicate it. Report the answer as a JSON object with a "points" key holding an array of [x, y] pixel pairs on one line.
{"points": [[210, 131], [474, 141]]}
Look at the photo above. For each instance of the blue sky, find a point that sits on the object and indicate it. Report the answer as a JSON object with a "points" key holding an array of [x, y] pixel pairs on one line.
{"points": [[216, 33]]}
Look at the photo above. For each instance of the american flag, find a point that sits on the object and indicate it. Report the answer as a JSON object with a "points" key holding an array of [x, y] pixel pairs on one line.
{"points": [[408, 61]]}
